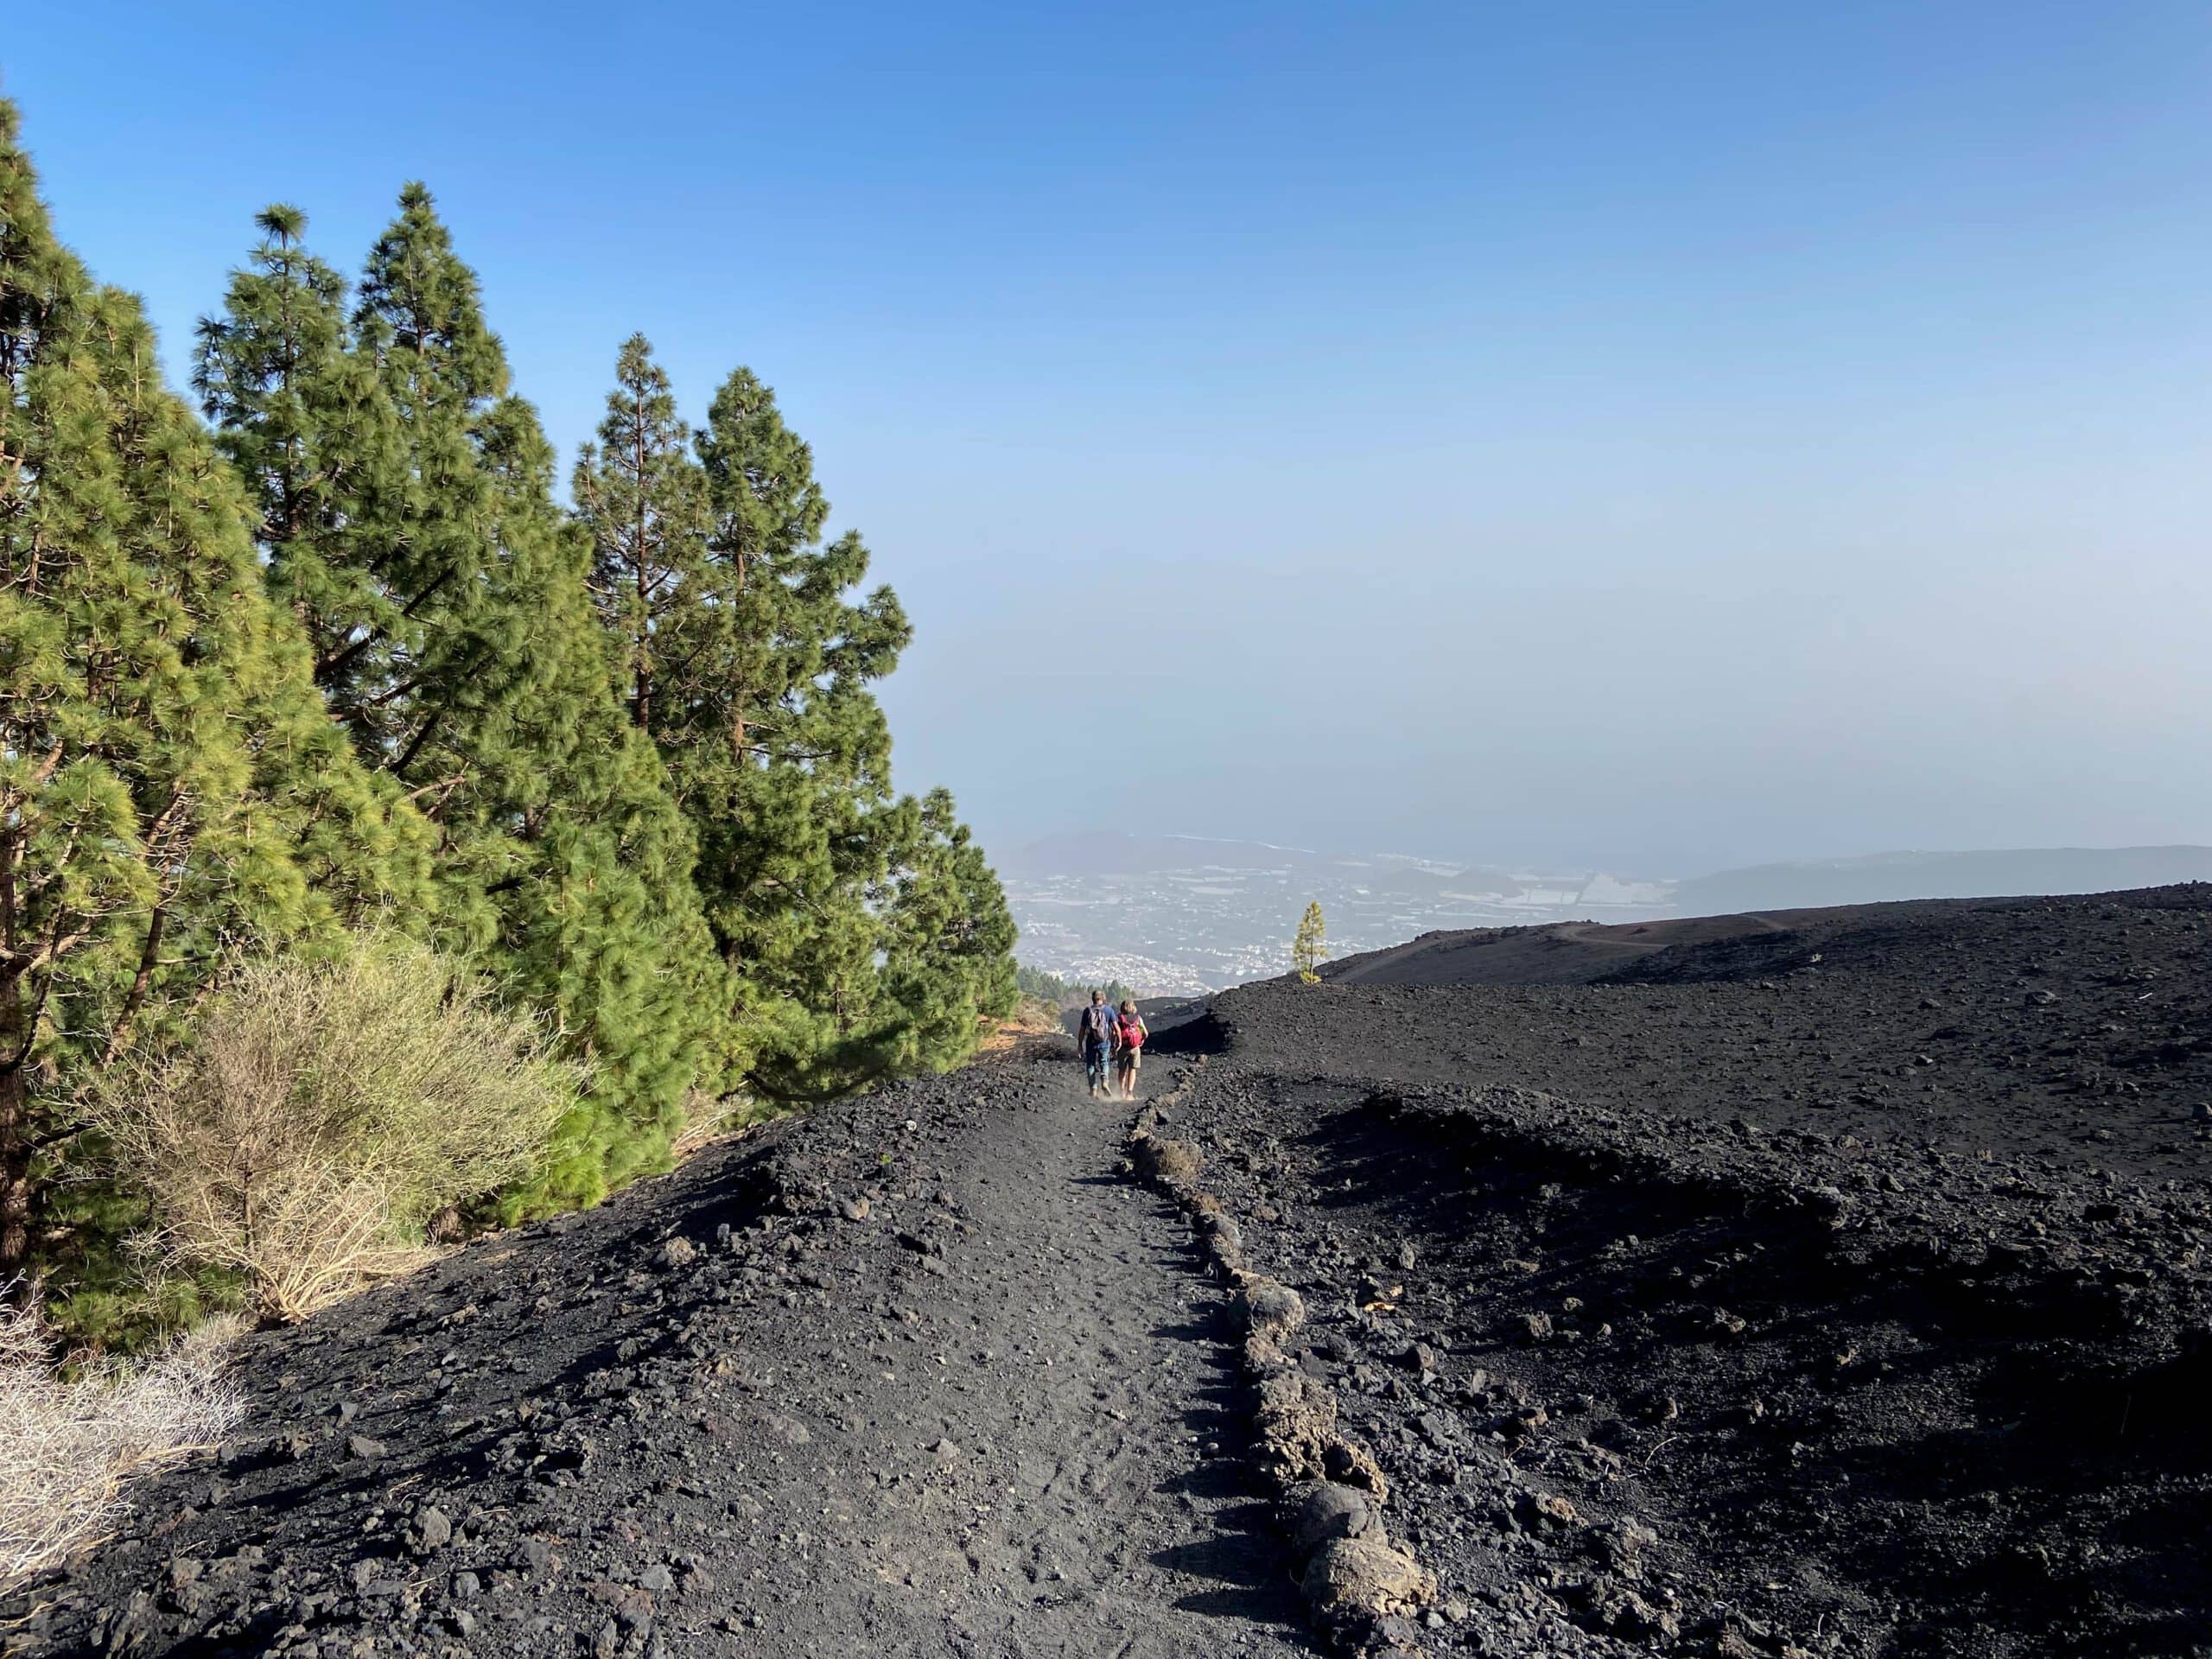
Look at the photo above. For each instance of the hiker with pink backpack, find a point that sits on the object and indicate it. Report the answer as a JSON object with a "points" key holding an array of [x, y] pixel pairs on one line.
{"points": [[1128, 1048]]}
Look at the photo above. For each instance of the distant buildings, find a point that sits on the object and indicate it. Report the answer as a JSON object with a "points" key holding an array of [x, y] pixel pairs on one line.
{"points": [[1172, 928], [1175, 915]]}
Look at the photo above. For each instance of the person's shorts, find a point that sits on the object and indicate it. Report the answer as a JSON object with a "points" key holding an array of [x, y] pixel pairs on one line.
{"points": [[1128, 1058]]}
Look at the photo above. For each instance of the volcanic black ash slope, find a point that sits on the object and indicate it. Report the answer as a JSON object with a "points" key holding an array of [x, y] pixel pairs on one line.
{"points": [[1821, 1283]]}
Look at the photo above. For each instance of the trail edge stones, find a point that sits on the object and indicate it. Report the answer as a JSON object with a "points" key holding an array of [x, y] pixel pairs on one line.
{"points": [[1361, 1588]]}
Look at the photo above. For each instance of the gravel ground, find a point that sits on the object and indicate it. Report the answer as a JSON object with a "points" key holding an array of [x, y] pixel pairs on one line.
{"points": [[1826, 1283], [919, 1374], [1833, 1286]]}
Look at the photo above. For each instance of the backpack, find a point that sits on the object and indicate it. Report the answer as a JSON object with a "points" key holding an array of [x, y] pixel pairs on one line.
{"points": [[1097, 1025], [1132, 1030]]}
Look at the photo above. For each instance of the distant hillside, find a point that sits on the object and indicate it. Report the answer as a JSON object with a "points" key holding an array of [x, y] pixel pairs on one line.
{"points": [[1885, 876], [1109, 853]]}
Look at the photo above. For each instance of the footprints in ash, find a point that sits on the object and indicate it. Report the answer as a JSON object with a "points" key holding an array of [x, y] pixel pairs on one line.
{"points": [[1041, 1408]]}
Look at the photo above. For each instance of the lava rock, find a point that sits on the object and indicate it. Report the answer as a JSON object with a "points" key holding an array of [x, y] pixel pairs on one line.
{"points": [[1319, 1510]]}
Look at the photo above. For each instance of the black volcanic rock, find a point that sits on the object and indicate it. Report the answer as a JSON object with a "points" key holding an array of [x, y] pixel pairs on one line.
{"points": [[1710, 1292]]}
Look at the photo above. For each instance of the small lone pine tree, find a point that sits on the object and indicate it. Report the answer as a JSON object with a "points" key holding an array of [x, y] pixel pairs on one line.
{"points": [[1305, 951]]}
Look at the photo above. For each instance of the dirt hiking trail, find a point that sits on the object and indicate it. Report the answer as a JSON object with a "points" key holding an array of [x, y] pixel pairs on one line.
{"points": [[917, 1374]]}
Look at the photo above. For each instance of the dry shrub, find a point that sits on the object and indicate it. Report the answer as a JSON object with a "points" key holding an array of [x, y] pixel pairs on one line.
{"points": [[66, 1448], [323, 1113], [1032, 1019], [706, 1119]]}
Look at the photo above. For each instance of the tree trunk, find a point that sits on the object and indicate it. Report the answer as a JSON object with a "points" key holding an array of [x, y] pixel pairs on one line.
{"points": [[15, 1152], [15, 1085], [642, 640], [148, 958]]}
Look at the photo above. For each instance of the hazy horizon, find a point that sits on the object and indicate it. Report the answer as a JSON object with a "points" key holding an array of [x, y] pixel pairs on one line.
{"points": [[1053, 841], [1662, 442]]}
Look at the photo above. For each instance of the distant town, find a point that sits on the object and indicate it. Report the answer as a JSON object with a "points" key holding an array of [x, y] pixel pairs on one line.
{"points": [[1174, 916], [1179, 915]]}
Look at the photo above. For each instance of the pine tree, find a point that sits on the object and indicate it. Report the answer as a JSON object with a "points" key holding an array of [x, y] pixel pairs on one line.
{"points": [[598, 918], [642, 499], [948, 945], [1305, 952], [778, 749], [171, 788], [434, 631], [862, 934], [456, 640], [311, 430]]}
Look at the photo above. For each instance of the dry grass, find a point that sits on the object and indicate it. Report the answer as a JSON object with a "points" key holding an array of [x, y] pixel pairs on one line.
{"points": [[324, 1112], [708, 1120], [68, 1448], [1032, 1019]]}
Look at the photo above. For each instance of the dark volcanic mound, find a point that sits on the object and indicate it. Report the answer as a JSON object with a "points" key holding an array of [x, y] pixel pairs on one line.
{"points": [[1552, 953], [1843, 1271], [2073, 1029]]}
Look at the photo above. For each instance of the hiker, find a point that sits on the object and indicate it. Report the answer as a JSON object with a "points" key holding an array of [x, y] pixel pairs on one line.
{"points": [[1096, 1035], [1129, 1034]]}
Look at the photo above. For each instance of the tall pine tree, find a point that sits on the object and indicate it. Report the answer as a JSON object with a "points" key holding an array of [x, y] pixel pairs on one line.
{"points": [[313, 431], [598, 918], [864, 933], [779, 750], [447, 595], [643, 500], [170, 786]]}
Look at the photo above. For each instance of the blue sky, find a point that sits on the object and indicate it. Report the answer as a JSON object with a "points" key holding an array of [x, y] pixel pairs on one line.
{"points": [[1662, 437]]}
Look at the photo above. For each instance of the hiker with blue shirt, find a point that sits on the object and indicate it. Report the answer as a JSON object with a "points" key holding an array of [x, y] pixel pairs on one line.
{"points": [[1094, 1035]]}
